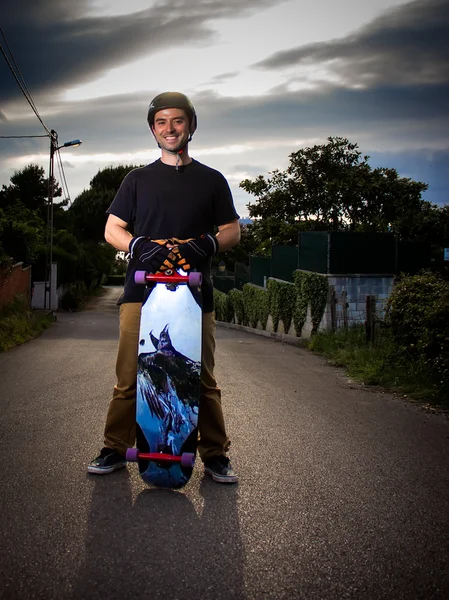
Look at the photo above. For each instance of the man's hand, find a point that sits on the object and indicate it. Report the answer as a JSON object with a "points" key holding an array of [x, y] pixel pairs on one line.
{"points": [[152, 253], [191, 253]]}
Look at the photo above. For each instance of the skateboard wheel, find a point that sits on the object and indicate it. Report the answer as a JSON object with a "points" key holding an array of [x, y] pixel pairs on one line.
{"points": [[187, 458], [195, 279], [140, 277], [132, 454]]}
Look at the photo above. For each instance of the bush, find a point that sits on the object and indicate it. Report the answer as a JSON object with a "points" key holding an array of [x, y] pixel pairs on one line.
{"points": [[236, 297], [255, 301], [312, 289], [74, 296], [418, 314], [281, 302], [19, 324], [224, 310]]}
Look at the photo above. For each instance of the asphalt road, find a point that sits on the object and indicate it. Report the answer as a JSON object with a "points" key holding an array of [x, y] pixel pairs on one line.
{"points": [[343, 493]]}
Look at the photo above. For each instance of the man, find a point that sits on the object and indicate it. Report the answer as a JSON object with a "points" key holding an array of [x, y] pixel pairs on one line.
{"points": [[172, 206]]}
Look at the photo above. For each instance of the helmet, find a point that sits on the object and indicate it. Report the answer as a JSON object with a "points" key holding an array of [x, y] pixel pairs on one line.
{"points": [[172, 100]]}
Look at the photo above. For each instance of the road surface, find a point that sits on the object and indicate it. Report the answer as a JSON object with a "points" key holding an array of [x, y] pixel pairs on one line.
{"points": [[343, 493]]}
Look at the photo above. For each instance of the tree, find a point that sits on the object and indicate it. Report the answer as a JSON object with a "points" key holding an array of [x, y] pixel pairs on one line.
{"points": [[88, 212], [29, 187], [22, 234], [23, 216], [331, 187], [241, 252]]}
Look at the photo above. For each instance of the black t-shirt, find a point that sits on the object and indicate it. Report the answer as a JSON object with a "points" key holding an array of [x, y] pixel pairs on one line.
{"points": [[159, 202]]}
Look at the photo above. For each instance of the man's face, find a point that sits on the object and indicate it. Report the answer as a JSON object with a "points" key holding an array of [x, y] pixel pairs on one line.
{"points": [[171, 129]]}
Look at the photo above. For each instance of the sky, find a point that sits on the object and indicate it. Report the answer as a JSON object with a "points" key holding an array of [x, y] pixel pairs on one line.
{"points": [[266, 77]]}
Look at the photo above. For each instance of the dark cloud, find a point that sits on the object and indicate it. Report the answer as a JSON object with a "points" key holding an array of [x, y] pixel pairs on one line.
{"points": [[389, 115], [401, 59], [429, 166], [407, 46], [223, 77], [55, 44]]}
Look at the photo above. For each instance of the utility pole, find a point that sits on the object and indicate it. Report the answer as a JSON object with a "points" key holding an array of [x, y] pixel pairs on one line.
{"points": [[49, 240], [49, 249]]}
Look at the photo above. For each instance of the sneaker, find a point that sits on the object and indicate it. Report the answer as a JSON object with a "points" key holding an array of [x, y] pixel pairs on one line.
{"points": [[220, 469], [108, 461]]}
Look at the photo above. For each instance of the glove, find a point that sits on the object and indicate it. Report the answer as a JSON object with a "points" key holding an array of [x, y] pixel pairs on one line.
{"points": [[191, 253], [152, 253]]}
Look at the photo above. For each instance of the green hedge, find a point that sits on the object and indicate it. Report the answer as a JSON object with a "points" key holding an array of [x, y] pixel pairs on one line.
{"points": [[224, 310], [283, 300], [313, 289], [256, 308], [418, 314], [236, 297]]}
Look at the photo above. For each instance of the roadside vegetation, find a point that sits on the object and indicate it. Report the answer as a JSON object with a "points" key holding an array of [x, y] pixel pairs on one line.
{"points": [[19, 324], [410, 350], [379, 364]]}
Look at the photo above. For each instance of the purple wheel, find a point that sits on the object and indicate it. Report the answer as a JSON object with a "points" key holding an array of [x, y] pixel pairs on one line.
{"points": [[187, 460], [139, 277], [195, 279], [132, 454]]}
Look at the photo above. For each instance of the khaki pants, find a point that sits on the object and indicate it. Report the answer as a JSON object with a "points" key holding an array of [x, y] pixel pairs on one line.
{"points": [[120, 430]]}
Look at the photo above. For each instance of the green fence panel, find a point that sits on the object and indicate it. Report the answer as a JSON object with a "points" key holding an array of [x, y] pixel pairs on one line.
{"points": [[313, 251], [259, 268], [284, 261], [367, 253]]}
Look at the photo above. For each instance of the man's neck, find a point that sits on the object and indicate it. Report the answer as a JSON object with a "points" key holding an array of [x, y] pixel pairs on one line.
{"points": [[176, 159]]}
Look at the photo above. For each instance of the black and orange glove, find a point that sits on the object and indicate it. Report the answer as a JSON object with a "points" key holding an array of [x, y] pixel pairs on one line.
{"points": [[192, 253], [154, 254]]}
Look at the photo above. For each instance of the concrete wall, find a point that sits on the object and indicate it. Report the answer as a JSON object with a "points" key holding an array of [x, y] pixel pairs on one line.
{"points": [[39, 292]]}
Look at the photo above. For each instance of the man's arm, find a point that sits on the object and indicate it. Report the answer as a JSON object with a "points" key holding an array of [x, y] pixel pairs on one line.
{"points": [[116, 233], [228, 235]]}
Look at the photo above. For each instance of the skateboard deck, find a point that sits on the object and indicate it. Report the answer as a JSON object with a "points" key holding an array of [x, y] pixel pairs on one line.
{"points": [[168, 378]]}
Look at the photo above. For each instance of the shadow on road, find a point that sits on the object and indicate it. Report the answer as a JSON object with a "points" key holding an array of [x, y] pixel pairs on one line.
{"points": [[159, 546]]}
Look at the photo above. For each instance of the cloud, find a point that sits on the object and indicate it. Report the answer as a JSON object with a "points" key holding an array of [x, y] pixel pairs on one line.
{"points": [[406, 46], [56, 45], [223, 77], [376, 88]]}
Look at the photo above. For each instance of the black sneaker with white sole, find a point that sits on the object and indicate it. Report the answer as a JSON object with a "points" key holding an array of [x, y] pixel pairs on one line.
{"points": [[220, 469], [109, 460]]}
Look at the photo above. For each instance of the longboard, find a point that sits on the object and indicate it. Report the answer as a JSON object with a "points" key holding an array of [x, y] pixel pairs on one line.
{"points": [[168, 378]]}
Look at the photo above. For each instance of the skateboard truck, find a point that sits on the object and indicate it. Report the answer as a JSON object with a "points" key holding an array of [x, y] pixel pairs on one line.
{"points": [[187, 459], [193, 279]]}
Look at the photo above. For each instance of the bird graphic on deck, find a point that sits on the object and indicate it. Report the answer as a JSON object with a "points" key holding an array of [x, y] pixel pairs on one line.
{"points": [[170, 381]]}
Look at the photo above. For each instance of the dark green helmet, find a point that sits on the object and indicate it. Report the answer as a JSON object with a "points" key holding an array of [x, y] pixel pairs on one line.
{"points": [[173, 100]]}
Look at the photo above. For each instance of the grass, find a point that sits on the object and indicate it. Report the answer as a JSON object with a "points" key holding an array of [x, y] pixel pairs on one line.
{"points": [[19, 324], [379, 364]]}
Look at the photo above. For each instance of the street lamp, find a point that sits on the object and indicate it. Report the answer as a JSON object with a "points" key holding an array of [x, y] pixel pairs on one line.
{"points": [[53, 148]]}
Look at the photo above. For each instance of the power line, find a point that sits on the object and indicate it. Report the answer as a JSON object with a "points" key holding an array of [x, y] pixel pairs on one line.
{"points": [[9, 137], [62, 178], [18, 70], [22, 84]]}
